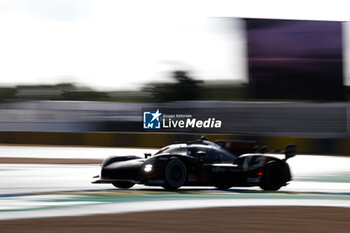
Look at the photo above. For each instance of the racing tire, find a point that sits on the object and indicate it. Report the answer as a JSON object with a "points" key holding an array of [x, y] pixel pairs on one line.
{"points": [[274, 176], [175, 174], [123, 184]]}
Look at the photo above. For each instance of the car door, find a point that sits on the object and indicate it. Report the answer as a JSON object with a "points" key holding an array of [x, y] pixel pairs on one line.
{"points": [[201, 172]]}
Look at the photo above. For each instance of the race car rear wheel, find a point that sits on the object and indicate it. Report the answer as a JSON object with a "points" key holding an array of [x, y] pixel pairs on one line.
{"points": [[123, 184], [274, 176], [175, 174]]}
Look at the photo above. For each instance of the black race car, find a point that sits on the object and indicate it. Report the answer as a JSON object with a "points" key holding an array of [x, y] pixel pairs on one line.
{"points": [[222, 164]]}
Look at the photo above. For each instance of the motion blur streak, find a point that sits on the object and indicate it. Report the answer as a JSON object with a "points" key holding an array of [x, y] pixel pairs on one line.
{"points": [[252, 118], [32, 190]]}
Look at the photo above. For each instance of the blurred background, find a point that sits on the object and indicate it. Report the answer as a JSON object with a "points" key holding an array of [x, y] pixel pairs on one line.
{"points": [[81, 73]]}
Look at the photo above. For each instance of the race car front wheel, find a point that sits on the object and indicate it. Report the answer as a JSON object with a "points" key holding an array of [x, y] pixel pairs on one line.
{"points": [[175, 174], [274, 176], [123, 184]]}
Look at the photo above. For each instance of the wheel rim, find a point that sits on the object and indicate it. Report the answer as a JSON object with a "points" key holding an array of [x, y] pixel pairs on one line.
{"points": [[275, 177], [176, 174]]}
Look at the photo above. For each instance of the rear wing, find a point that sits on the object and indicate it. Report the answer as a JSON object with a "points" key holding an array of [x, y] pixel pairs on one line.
{"points": [[290, 151], [239, 147]]}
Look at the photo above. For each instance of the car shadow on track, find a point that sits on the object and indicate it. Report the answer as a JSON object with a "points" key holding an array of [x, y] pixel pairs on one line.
{"points": [[204, 190], [182, 190]]}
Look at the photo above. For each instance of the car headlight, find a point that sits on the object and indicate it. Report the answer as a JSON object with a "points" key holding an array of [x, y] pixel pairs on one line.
{"points": [[148, 168]]}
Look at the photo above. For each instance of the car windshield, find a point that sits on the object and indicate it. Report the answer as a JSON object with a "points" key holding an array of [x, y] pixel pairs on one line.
{"points": [[173, 150], [162, 150]]}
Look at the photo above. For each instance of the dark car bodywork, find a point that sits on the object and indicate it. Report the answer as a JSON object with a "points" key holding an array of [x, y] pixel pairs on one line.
{"points": [[222, 164]]}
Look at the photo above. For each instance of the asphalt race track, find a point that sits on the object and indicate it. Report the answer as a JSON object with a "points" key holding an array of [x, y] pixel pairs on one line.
{"points": [[49, 190]]}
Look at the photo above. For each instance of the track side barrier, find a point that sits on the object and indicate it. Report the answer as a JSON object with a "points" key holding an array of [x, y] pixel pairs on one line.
{"points": [[156, 140]]}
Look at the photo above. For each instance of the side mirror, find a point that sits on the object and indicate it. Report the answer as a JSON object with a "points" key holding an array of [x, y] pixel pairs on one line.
{"points": [[201, 153], [147, 155]]}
